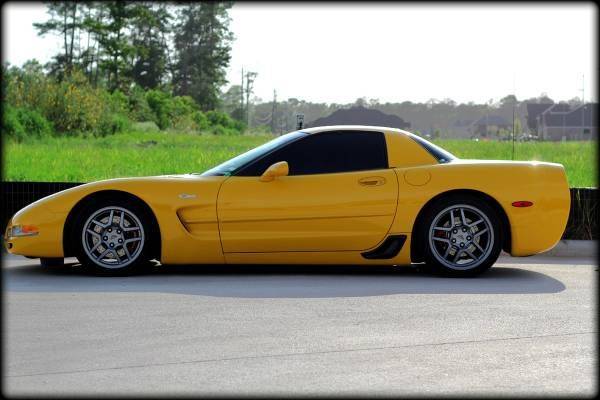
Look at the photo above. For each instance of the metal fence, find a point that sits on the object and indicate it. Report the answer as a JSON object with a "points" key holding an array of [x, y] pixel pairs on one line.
{"points": [[582, 225]]}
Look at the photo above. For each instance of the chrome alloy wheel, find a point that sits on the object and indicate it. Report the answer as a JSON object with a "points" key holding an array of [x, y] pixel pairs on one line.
{"points": [[113, 237], [461, 237]]}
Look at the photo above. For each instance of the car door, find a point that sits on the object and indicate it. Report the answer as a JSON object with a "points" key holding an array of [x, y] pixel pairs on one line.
{"points": [[339, 195]]}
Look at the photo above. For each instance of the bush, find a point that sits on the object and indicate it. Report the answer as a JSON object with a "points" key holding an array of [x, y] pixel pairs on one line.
{"points": [[21, 123], [159, 103], [113, 123], [223, 124], [139, 110], [74, 107], [201, 121]]}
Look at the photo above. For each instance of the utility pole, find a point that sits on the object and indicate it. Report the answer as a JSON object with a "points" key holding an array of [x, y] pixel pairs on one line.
{"points": [[250, 76], [582, 105], [242, 114], [513, 119], [273, 111]]}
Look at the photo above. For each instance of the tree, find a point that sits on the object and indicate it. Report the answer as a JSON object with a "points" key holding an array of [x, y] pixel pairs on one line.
{"points": [[112, 37], [202, 51], [149, 26], [231, 102], [64, 21]]}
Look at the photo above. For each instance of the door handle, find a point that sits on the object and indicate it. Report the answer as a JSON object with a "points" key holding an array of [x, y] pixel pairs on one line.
{"points": [[372, 181]]}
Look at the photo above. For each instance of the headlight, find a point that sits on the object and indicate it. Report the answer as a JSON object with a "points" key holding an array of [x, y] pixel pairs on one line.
{"points": [[22, 230]]}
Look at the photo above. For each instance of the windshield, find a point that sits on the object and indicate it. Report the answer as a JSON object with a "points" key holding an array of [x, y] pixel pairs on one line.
{"points": [[230, 166]]}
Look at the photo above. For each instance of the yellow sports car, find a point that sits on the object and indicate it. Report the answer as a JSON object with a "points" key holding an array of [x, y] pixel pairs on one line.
{"points": [[327, 195]]}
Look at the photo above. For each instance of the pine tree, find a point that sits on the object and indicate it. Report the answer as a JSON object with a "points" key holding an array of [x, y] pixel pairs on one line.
{"points": [[149, 27], [65, 20], [202, 51]]}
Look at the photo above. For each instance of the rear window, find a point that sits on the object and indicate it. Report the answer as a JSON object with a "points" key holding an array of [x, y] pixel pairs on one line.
{"points": [[440, 154]]}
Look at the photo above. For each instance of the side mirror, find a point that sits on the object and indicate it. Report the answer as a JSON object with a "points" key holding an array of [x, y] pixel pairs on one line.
{"points": [[280, 168]]}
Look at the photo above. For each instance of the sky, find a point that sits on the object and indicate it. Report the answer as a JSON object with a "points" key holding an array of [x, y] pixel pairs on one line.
{"points": [[393, 52]]}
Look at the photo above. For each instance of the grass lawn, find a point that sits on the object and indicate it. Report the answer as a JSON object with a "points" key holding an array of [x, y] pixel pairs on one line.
{"points": [[156, 153]]}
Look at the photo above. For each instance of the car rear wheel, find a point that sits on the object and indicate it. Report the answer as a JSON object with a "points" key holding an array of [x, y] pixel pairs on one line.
{"points": [[463, 236], [113, 238]]}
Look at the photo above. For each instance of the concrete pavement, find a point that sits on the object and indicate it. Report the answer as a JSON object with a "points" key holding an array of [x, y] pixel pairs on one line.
{"points": [[525, 327]]}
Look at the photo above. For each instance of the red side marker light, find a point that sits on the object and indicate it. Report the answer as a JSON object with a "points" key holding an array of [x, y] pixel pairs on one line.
{"points": [[522, 203]]}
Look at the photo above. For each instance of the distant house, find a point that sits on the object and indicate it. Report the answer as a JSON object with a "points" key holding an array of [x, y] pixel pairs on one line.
{"points": [[360, 116], [489, 125], [563, 122]]}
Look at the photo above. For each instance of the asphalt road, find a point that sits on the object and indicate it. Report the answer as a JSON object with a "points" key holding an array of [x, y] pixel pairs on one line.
{"points": [[523, 328]]}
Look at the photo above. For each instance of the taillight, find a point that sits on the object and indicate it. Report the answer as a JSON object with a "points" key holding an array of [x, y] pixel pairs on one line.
{"points": [[522, 203]]}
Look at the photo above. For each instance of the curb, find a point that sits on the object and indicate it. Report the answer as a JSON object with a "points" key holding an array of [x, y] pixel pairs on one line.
{"points": [[574, 248]]}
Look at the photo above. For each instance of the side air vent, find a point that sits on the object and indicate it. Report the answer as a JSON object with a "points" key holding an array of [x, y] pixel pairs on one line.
{"points": [[388, 249]]}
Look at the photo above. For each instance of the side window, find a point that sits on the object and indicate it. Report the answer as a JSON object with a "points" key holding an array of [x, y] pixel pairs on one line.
{"points": [[326, 153]]}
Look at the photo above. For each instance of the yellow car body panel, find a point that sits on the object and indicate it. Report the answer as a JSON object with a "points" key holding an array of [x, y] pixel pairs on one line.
{"points": [[321, 219], [327, 212]]}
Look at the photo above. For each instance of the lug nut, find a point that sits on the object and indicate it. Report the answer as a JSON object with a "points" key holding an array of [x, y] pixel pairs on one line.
{"points": [[118, 231], [461, 245], [468, 237], [113, 245], [105, 238], [120, 240], [110, 229], [454, 231], [453, 240], [464, 229]]}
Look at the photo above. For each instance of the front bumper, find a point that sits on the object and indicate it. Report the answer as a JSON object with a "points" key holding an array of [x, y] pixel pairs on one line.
{"points": [[48, 243]]}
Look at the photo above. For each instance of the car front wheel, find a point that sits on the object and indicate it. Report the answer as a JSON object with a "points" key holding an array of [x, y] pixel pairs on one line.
{"points": [[113, 239], [463, 237]]}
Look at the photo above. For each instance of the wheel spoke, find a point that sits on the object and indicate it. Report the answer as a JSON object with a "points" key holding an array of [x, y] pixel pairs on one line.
{"points": [[458, 253], [478, 246], [452, 218], [462, 216], [472, 224], [470, 254], [126, 251], [137, 239], [131, 228], [481, 232], [447, 251], [95, 246], [100, 223], [441, 240], [103, 254], [91, 232]]}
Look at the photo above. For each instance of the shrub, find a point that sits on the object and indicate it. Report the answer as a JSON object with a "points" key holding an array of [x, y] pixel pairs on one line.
{"points": [[11, 126], [21, 123], [159, 103], [201, 121], [139, 110], [113, 123], [223, 124]]}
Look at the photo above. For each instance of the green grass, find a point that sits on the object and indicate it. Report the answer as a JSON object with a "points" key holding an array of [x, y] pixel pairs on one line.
{"points": [[156, 153]]}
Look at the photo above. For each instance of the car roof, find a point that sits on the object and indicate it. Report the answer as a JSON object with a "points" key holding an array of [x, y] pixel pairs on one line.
{"points": [[367, 128]]}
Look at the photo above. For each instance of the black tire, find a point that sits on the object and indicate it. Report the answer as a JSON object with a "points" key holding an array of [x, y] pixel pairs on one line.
{"points": [[440, 250], [135, 256]]}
